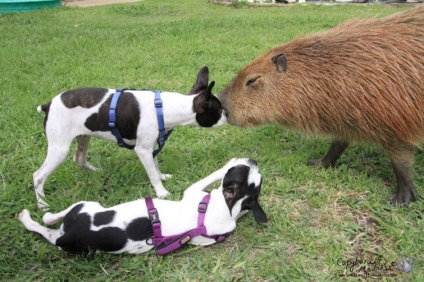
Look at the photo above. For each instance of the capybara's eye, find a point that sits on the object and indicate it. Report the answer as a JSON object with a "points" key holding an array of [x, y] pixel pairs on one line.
{"points": [[252, 80]]}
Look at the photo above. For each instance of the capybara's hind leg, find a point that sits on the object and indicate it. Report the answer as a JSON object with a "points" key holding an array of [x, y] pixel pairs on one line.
{"points": [[337, 148], [402, 161]]}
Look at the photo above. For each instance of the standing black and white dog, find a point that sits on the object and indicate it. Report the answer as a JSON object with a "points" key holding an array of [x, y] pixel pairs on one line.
{"points": [[82, 113], [128, 228]]}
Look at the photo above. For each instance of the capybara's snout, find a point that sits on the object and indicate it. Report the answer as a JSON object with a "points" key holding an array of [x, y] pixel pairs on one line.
{"points": [[223, 98]]}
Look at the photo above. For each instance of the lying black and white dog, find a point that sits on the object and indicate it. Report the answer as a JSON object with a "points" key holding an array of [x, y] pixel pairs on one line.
{"points": [[140, 118], [136, 227]]}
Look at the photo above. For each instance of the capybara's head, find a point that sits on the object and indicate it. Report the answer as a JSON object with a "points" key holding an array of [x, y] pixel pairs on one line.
{"points": [[247, 98]]}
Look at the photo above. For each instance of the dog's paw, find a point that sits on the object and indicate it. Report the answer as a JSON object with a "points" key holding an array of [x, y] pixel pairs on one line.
{"points": [[83, 163], [165, 176], [42, 205], [230, 163], [162, 193], [235, 162], [24, 215], [49, 218], [89, 167]]}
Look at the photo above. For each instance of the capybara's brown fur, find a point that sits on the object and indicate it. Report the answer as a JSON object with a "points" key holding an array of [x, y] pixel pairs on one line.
{"points": [[360, 81]]}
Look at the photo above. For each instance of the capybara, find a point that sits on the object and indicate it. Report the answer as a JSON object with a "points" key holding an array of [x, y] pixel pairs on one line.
{"points": [[360, 81]]}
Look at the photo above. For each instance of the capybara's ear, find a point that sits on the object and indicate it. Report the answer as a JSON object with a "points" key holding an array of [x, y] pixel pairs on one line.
{"points": [[201, 81], [280, 62]]}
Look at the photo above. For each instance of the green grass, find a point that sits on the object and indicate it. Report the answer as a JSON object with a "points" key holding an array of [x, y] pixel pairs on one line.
{"points": [[316, 216]]}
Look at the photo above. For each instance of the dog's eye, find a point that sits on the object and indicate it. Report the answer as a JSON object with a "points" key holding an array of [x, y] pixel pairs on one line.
{"points": [[252, 80]]}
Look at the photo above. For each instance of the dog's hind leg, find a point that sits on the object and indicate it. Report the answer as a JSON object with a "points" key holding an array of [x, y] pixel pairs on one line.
{"points": [[52, 218], [80, 156], [56, 155], [50, 234]]}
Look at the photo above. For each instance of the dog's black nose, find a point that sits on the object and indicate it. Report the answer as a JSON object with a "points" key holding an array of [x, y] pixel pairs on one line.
{"points": [[252, 162]]}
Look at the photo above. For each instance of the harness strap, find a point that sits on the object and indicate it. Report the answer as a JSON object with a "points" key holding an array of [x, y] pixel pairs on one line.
{"points": [[154, 218], [112, 120], [163, 135], [166, 244], [203, 206]]}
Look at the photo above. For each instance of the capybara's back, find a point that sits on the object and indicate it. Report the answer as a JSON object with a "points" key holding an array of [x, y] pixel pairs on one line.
{"points": [[360, 81]]}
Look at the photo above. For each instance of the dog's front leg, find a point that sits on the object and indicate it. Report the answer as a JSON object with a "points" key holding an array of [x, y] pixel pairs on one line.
{"points": [[211, 178], [146, 158], [161, 175], [207, 181]]}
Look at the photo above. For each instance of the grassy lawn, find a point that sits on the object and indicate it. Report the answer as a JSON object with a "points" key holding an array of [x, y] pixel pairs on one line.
{"points": [[320, 220]]}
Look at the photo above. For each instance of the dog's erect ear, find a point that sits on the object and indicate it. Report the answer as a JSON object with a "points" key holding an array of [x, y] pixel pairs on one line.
{"points": [[201, 81], [201, 100], [208, 93]]}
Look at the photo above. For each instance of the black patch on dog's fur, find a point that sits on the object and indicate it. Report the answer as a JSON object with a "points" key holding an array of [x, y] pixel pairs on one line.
{"points": [[127, 116], [140, 229], [83, 97], [235, 184], [207, 106], [71, 216], [103, 218], [210, 113], [78, 237]]}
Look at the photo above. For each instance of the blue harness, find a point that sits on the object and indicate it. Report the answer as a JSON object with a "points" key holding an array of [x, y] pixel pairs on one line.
{"points": [[163, 135]]}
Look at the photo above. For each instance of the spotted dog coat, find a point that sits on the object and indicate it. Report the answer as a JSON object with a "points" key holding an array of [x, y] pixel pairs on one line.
{"points": [[82, 113], [127, 227]]}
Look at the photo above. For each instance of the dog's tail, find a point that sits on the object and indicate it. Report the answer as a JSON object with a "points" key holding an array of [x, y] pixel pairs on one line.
{"points": [[45, 108]]}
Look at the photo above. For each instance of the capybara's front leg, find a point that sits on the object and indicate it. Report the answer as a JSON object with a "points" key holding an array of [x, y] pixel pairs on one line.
{"points": [[402, 161], [337, 148]]}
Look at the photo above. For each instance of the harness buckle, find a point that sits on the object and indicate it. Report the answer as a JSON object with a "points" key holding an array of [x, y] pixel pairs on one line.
{"points": [[162, 139], [112, 124], [154, 216], [202, 207], [158, 103]]}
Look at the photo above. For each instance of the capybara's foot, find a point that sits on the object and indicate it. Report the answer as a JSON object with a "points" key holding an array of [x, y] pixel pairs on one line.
{"points": [[404, 196], [315, 162], [319, 163], [334, 152]]}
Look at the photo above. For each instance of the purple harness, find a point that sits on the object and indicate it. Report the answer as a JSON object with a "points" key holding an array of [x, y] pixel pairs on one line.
{"points": [[166, 244]]}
